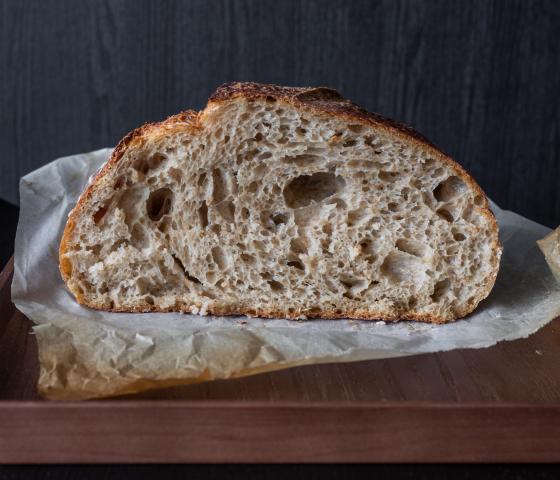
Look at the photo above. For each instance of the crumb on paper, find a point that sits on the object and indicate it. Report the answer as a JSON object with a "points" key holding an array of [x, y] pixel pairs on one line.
{"points": [[381, 322], [538, 352], [204, 309]]}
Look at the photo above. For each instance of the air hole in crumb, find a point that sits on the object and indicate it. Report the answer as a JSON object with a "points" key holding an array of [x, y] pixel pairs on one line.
{"points": [[388, 176], [178, 262], [249, 259], [143, 165], [438, 172], [163, 226], [219, 257], [298, 245], [314, 188], [478, 200], [314, 310], [149, 300], [355, 128], [226, 210], [219, 186], [203, 214], [458, 236], [270, 99], [259, 246], [449, 189], [349, 143], [335, 138], [192, 278], [393, 207], [301, 131], [201, 179], [138, 237], [358, 217], [445, 214], [275, 286], [295, 264], [156, 160], [259, 137], [159, 203], [402, 267], [350, 281], [411, 247], [119, 183], [253, 187], [440, 290], [97, 216], [216, 228], [279, 218], [301, 160], [367, 248], [340, 204]]}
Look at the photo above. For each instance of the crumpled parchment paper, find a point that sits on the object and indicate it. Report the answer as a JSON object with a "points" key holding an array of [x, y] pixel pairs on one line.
{"points": [[86, 354]]}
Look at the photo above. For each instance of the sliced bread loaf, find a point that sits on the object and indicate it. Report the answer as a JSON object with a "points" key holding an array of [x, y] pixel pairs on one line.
{"points": [[288, 202]]}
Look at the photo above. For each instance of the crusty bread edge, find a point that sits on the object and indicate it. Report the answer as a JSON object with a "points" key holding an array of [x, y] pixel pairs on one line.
{"points": [[319, 100]]}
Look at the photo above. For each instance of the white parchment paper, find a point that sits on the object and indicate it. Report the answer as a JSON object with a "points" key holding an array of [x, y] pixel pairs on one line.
{"points": [[86, 354]]}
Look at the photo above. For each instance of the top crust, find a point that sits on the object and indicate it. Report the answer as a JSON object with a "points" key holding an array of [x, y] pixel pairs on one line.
{"points": [[319, 100]]}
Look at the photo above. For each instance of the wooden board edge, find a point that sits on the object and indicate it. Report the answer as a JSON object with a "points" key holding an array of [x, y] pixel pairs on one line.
{"points": [[258, 432]]}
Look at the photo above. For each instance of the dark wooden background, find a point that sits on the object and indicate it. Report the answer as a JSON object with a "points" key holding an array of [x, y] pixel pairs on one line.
{"points": [[479, 78]]}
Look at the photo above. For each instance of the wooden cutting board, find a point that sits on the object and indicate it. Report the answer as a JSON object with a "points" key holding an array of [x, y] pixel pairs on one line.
{"points": [[497, 404]]}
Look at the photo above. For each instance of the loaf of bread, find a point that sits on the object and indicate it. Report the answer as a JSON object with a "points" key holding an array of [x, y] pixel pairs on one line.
{"points": [[550, 247], [281, 202]]}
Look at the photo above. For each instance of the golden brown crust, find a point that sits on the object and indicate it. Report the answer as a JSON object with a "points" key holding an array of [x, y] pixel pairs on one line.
{"points": [[359, 314], [322, 101], [319, 99]]}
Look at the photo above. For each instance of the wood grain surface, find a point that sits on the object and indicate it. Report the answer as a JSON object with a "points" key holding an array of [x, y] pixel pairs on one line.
{"points": [[479, 78], [229, 432]]}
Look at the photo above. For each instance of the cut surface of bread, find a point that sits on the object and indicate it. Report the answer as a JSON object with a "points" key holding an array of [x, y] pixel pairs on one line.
{"points": [[550, 247], [281, 202]]}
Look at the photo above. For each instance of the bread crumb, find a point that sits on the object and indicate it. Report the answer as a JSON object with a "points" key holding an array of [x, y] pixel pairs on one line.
{"points": [[204, 309]]}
